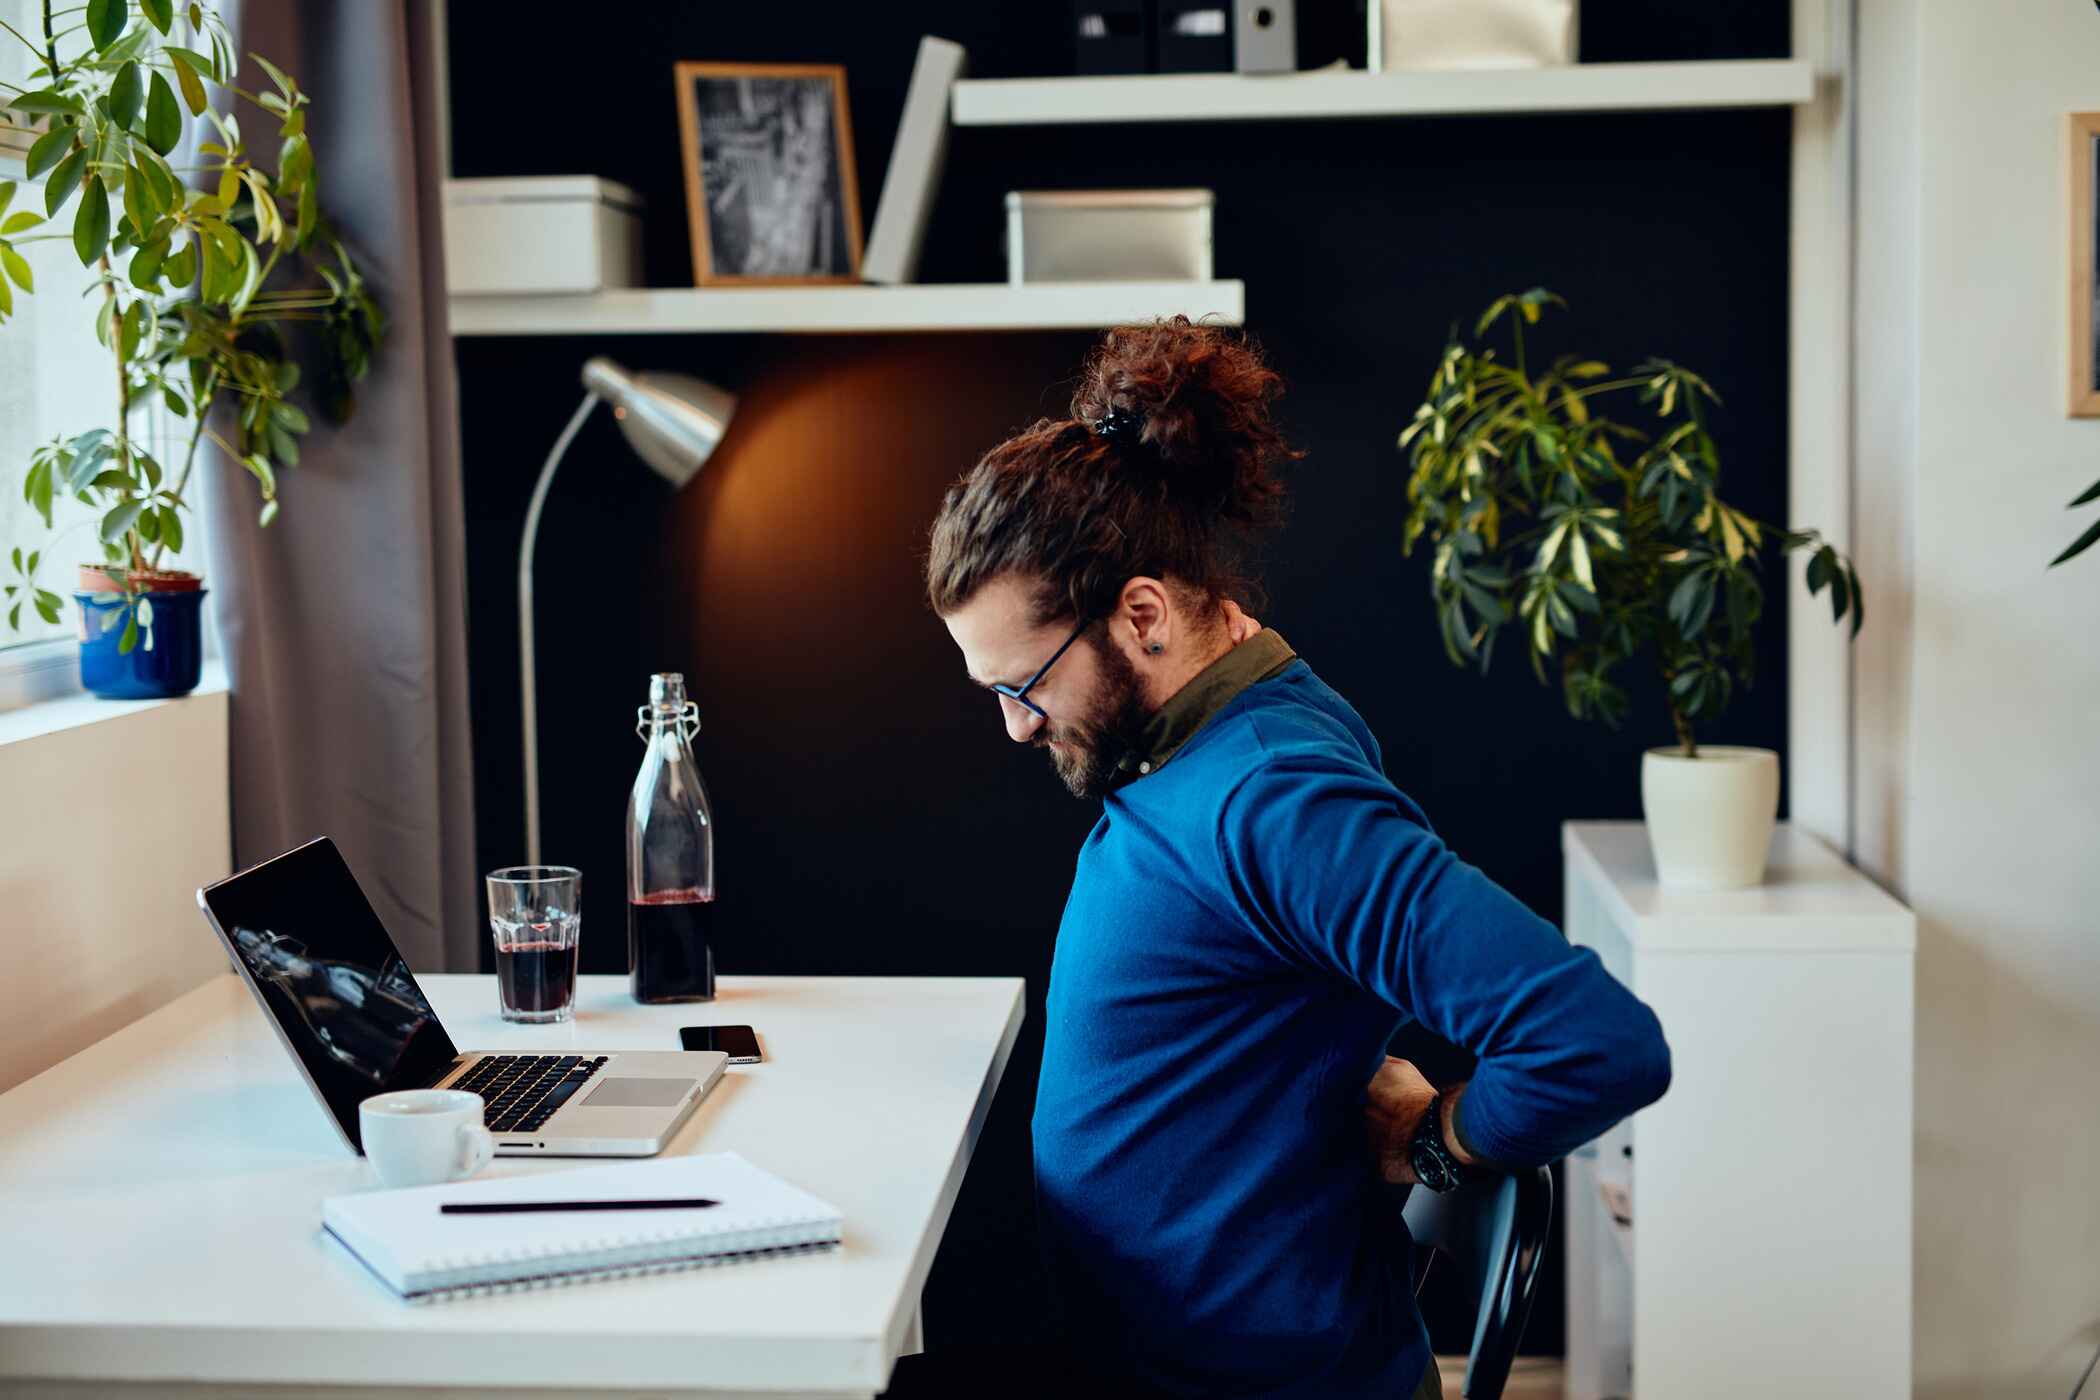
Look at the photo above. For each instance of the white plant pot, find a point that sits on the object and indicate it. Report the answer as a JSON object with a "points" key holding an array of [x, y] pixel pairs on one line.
{"points": [[1710, 818]]}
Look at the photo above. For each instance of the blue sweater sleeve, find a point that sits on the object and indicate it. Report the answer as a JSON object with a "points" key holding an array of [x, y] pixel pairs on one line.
{"points": [[1338, 872]]}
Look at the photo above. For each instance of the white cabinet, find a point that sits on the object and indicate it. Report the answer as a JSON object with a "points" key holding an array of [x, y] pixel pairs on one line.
{"points": [[1770, 1189]]}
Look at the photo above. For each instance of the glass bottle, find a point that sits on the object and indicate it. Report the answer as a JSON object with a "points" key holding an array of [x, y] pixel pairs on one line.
{"points": [[670, 855]]}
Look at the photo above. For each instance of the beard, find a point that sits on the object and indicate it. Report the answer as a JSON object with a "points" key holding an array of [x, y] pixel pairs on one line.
{"points": [[1088, 748]]}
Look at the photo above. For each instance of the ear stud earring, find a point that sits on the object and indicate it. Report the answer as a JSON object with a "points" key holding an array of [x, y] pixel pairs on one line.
{"points": [[1157, 647]]}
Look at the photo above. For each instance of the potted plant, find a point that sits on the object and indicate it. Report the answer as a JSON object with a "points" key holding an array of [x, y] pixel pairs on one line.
{"points": [[203, 267], [1603, 542]]}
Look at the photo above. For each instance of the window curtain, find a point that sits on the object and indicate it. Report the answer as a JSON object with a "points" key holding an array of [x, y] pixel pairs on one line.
{"points": [[344, 622]]}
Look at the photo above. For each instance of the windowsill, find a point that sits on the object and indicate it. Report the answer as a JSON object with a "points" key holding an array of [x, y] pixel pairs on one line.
{"points": [[79, 709]]}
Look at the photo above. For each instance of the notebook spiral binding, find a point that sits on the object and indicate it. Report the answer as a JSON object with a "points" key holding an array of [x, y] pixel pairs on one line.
{"points": [[625, 1256]]}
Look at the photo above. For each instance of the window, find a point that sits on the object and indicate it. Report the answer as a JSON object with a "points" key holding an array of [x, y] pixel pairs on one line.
{"points": [[56, 380]]}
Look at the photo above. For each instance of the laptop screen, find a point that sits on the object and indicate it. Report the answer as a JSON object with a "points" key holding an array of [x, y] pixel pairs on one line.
{"points": [[323, 965]]}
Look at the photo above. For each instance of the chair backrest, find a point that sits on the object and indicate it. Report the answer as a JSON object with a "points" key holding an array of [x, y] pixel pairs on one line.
{"points": [[1494, 1232]]}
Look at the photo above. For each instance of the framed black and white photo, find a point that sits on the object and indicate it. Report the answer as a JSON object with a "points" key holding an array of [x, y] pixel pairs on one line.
{"points": [[2084, 144], [769, 184]]}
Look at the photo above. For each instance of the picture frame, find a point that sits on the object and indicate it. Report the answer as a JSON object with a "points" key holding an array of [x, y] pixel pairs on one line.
{"points": [[770, 190], [2082, 141]]}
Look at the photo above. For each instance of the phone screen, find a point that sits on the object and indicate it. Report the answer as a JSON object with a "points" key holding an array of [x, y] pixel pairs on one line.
{"points": [[740, 1043]]}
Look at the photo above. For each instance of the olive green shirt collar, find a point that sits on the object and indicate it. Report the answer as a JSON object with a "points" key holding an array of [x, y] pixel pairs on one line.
{"points": [[1210, 690]]}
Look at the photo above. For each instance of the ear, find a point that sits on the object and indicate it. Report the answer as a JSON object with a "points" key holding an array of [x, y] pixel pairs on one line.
{"points": [[1145, 617]]}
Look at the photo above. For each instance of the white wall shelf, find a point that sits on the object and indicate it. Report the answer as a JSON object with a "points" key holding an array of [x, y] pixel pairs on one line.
{"points": [[818, 310], [1581, 87]]}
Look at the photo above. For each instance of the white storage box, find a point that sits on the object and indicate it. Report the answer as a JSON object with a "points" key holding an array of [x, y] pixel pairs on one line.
{"points": [[1463, 34], [1108, 236], [542, 233]]}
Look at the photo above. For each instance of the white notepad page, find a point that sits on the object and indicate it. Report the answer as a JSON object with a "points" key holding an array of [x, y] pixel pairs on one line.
{"points": [[402, 1237]]}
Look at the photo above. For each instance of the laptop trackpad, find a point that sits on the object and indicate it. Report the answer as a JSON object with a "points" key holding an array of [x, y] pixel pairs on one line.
{"points": [[639, 1093]]}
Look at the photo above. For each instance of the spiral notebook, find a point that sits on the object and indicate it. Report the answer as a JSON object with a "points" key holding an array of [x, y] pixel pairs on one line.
{"points": [[425, 1256]]}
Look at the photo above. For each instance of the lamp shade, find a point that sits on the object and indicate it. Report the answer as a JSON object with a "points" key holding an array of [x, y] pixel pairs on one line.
{"points": [[672, 421]]}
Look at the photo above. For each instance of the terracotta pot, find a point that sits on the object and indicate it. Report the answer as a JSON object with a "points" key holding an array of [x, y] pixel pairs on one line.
{"points": [[95, 578]]}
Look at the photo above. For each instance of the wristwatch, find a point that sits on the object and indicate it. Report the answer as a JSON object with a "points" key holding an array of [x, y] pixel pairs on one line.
{"points": [[1435, 1167]]}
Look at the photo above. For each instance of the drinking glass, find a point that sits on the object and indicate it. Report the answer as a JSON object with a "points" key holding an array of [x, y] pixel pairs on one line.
{"points": [[536, 914]]}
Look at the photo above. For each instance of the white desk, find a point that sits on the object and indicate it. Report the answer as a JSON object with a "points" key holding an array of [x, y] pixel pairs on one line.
{"points": [[160, 1206]]}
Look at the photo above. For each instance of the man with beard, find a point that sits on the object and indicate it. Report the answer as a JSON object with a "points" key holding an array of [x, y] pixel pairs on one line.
{"points": [[1254, 915]]}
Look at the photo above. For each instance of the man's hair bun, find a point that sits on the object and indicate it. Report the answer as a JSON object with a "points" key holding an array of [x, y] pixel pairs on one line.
{"points": [[1204, 408]]}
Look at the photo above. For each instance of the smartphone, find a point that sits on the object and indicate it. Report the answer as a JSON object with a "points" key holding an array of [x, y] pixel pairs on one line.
{"points": [[740, 1043]]}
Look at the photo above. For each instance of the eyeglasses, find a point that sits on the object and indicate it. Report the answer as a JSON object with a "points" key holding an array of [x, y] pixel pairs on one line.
{"points": [[1019, 695]]}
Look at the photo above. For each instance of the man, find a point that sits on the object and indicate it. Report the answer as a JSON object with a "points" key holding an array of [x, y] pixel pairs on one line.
{"points": [[1254, 914]]}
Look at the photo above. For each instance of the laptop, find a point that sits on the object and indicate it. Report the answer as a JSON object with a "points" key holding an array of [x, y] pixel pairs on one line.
{"points": [[330, 979]]}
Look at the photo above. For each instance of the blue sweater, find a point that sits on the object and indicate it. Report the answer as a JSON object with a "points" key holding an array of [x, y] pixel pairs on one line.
{"points": [[1247, 927]]}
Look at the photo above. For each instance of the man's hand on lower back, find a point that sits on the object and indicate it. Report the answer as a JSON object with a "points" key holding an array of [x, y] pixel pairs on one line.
{"points": [[1394, 1103]]}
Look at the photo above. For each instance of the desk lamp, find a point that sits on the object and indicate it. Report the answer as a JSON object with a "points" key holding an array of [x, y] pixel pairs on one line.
{"points": [[672, 421]]}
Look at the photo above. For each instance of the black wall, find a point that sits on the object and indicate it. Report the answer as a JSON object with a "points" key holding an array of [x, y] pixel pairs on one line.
{"points": [[873, 818]]}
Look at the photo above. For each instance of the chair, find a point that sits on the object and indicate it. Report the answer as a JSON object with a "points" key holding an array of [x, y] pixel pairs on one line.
{"points": [[1495, 1232]]}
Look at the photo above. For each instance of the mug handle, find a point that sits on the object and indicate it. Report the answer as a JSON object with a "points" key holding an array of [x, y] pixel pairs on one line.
{"points": [[477, 1149]]}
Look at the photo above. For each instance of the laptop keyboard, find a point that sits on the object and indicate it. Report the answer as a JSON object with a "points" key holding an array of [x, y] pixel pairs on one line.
{"points": [[521, 1092]]}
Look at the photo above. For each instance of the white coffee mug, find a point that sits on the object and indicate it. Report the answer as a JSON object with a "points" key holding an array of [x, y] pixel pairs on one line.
{"points": [[422, 1137]]}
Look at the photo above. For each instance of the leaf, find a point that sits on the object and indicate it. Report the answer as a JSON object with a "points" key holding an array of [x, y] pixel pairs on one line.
{"points": [[1731, 536], [269, 513], [145, 267], [171, 528], [181, 267], [47, 607], [1859, 604], [160, 12], [130, 639], [91, 222], [49, 102], [137, 202], [20, 221], [1840, 595], [204, 66], [127, 95], [65, 180], [284, 85], [17, 267], [1680, 604], [163, 117], [1820, 566], [2079, 545], [2091, 493], [192, 90], [106, 20], [174, 402], [49, 150], [7, 299], [120, 520], [1579, 553]]}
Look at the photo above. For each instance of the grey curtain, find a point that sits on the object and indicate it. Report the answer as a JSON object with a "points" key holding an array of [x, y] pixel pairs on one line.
{"points": [[344, 622]]}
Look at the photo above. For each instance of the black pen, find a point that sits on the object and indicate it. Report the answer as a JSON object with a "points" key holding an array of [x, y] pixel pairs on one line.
{"points": [[512, 1207]]}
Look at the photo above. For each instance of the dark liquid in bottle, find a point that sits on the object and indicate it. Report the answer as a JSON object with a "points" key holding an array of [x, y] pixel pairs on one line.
{"points": [[667, 946], [536, 977]]}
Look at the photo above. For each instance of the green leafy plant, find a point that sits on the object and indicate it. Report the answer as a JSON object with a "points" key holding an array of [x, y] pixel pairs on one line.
{"points": [[2092, 531], [1601, 541], [204, 264]]}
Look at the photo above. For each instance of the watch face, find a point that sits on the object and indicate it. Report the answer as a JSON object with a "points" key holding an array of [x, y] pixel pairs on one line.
{"points": [[1430, 1169]]}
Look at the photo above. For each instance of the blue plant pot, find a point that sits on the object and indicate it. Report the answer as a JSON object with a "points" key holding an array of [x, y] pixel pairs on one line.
{"points": [[168, 658]]}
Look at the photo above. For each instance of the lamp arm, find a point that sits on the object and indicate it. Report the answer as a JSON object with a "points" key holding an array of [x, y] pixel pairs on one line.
{"points": [[526, 667]]}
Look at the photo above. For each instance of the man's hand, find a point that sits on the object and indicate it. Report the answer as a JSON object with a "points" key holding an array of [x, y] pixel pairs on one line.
{"points": [[1394, 1103]]}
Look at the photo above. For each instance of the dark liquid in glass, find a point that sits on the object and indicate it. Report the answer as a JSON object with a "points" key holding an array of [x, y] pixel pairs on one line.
{"points": [[667, 946], [536, 977]]}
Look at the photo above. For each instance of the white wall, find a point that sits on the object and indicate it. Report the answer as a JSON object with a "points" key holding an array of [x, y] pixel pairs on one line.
{"points": [[1977, 729], [111, 815]]}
